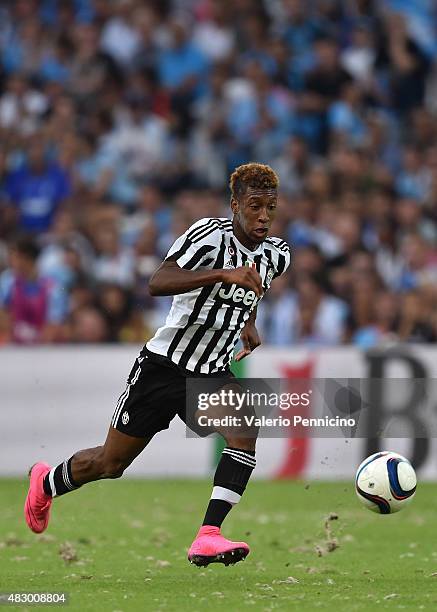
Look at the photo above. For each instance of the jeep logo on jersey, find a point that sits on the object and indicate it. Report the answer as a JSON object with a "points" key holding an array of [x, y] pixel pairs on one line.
{"points": [[238, 297]]}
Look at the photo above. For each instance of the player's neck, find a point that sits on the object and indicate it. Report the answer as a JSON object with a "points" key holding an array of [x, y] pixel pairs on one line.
{"points": [[242, 237]]}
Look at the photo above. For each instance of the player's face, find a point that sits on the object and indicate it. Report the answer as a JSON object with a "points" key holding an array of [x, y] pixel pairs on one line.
{"points": [[255, 211]]}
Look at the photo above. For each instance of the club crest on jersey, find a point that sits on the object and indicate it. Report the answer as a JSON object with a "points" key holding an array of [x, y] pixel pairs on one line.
{"points": [[269, 276]]}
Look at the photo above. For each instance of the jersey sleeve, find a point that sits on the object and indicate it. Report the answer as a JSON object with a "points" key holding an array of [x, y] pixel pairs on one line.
{"points": [[283, 255], [197, 246]]}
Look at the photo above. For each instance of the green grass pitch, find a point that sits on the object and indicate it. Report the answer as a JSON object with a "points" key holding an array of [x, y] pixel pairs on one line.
{"points": [[121, 546]]}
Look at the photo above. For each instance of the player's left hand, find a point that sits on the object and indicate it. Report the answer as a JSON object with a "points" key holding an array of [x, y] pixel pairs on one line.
{"points": [[250, 339]]}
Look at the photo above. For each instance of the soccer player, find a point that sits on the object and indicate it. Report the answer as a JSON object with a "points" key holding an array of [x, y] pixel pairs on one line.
{"points": [[217, 272]]}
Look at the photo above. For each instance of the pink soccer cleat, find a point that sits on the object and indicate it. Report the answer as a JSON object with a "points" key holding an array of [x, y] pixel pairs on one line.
{"points": [[37, 505], [211, 547]]}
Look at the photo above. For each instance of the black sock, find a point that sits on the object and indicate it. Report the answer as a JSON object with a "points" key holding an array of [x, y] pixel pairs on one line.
{"points": [[59, 480], [230, 480]]}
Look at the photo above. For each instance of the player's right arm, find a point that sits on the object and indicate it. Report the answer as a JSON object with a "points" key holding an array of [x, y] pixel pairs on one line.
{"points": [[170, 279], [188, 264]]}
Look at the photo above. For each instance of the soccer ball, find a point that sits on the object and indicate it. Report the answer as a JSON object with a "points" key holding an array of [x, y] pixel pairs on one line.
{"points": [[385, 482]]}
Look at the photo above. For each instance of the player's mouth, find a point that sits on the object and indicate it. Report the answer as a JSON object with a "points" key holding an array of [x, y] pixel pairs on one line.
{"points": [[261, 231]]}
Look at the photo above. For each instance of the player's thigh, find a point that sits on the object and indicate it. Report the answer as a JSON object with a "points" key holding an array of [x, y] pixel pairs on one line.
{"points": [[232, 421], [149, 402]]}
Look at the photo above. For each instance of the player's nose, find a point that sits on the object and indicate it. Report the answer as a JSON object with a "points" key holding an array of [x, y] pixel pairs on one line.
{"points": [[263, 217]]}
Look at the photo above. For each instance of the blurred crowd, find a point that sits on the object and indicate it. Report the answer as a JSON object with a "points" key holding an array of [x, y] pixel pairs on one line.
{"points": [[121, 120]]}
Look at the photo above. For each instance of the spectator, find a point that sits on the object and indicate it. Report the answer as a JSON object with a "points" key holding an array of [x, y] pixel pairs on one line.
{"points": [[348, 232], [414, 180], [409, 218], [137, 145], [24, 49], [115, 304], [259, 120], [214, 36], [120, 37], [182, 67], [91, 68], [388, 261], [420, 263], [56, 61], [414, 323], [292, 165], [346, 116], [33, 305], [383, 324], [408, 65], [113, 262], [88, 326], [358, 58], [299, 31], [37, 188], [323, 85], [21, 105]]}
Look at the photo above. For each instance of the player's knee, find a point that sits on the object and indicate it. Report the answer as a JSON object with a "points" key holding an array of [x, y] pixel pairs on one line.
{"points": [[244, 443]]}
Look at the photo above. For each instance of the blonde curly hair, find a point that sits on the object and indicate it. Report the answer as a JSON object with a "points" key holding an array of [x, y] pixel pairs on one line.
{"points": [[257, 176]]}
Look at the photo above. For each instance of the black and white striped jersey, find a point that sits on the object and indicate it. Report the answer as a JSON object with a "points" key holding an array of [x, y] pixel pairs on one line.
{"points": [[204, 325]]}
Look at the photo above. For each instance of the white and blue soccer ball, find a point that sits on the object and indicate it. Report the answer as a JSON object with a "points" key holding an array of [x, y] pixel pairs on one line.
{"points": [[385, 482]]}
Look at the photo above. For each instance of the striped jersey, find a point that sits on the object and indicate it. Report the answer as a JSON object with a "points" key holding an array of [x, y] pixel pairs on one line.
{"points": [[204, 325]]}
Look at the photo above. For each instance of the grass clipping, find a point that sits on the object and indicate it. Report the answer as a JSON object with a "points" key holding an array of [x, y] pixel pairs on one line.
{"points": [[68, 553], [330, 543]]}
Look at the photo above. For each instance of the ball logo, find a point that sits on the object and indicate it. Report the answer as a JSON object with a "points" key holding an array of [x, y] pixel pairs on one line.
{"points": [[125, 418]]}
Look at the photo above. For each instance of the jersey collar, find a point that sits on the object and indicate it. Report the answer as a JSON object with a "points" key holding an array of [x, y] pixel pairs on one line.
{"points": [[257, 251]]}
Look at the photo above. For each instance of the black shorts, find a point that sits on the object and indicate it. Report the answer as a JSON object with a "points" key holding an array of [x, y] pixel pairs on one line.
{"points": [[155, 393]]}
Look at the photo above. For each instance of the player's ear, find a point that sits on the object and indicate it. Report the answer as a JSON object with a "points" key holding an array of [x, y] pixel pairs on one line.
{"points": [[234, 206]]}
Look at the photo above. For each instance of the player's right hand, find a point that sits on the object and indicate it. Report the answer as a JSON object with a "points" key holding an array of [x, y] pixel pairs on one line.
{"points": [[244, 277]]}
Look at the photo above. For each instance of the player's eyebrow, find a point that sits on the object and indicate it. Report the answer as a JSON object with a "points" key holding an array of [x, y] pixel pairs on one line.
{"points": [[262, 195]]}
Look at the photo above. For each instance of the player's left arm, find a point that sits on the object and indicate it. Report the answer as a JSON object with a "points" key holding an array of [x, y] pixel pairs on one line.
{"points": [[249, 337]]}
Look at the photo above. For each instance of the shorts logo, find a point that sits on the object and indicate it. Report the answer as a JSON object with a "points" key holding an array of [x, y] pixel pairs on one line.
{"points": [[125, 418]]}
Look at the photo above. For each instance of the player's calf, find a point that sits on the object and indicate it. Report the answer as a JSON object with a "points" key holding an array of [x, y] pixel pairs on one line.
{"points": [[230, 480], [84, 466], [46, 482], [97, 463]]}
